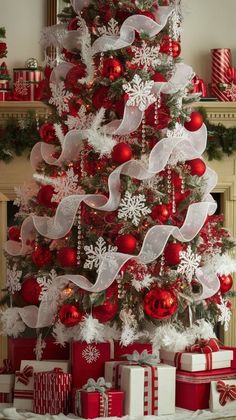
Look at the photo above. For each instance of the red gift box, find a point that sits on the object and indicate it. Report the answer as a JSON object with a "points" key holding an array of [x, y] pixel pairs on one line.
{"points": [[52, 392], [87, 361], [90, 405], [4, 95], [26, 82], [120, 350], [23, 349], [193, 388]]}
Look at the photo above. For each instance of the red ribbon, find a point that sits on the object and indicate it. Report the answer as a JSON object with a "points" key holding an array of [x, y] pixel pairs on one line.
{"points": [[199, 86], [7, 367], [202, 346], [25, 375], [231, 74], [227, 392]]}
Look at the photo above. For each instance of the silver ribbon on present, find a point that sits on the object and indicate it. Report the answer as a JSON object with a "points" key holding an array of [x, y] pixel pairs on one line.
{"points": [[100, 386], [143, 358]]}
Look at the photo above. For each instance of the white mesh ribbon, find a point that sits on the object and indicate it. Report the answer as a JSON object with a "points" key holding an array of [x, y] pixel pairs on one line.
{"points": [[78, 5]]}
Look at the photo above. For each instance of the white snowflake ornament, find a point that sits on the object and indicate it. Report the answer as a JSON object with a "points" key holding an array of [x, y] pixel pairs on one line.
{"points": [[91, 354], [112, 28], [230, 91], [13, 279], [139, 93], [39, 348], [189, 262], [82, 120], [225, 314], [46, 282], [95, 254], [146, 56], [60, 97], [65, 186], [133, 208], [24, 193]]}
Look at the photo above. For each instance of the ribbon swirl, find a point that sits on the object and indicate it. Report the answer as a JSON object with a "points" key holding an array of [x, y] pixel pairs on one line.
{"points": [[25, 375], [204, 346], [227, 392]]}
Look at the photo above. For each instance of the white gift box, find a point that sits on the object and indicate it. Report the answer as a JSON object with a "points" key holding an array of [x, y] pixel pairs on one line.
{"points": [[214, 402], [194, 362], [150, 390], [6, 389], [112, 372], [23, 393]]}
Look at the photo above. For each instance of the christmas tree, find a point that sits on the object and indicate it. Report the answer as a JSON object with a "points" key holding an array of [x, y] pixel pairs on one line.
{"points": [[117, 237]]}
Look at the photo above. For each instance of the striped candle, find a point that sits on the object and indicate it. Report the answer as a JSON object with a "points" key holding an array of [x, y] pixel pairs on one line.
{"points": [[221, 61]]}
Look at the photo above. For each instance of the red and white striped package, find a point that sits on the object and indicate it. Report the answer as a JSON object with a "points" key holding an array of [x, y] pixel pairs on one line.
{"points": [[4, 95], [52, 392], [221, 61], [26, 82]]}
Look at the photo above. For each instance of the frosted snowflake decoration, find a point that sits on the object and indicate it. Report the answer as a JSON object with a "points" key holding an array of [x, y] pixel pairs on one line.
{"points": [[95, 254], [111, 29], [45, 282], [40, 346], [91, 354], [81, 121], [175, 25], [142, 284], [231, 91], [225, 314], [146, 56], [189, 262], [179, 132], [60, 97], [49, 62], [21, 87], [13, 279], [65, 186], [133, 208], [139, 93], [24, 193]]}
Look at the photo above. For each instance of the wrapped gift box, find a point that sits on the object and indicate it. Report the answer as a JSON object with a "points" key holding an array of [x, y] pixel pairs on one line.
{"points": [[26, 82], [6, 388], [4, 94], [91, 405], [23, 348], [120, 350], [150, 390], [233, 361], [195, 362], [112, 371], [87, 361], [218, 403], [24, 388], [193, 388], [52, 392]]}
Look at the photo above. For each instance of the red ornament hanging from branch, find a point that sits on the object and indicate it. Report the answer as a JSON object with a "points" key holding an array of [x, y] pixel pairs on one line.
{"points": [[160, 303]]}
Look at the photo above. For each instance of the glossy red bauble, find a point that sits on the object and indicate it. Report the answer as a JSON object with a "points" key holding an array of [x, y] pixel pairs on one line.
{"points": [[69, 315], [158, 77], [226, 282], [41, 256], [121, 153], [196, 121], [171, 253], [126, 243], [163, 118], [100, 98], [170, 47], [160, 213], [47, 133], [106, 312], [73, 24], [160, 303], [30, 290], [197, 166], [14, 233], [111, 68], [45, 195], [67, 257], [72, 77]]}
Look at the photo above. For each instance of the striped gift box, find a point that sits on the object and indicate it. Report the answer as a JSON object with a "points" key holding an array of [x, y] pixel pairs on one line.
{"points": [[26, 82]]}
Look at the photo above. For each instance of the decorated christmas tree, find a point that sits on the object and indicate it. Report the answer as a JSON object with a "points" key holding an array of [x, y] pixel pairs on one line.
{"points": [[117, 237]]}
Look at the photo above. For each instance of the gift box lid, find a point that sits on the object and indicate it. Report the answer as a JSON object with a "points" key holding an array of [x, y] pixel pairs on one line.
{"points": [[197, 361]]}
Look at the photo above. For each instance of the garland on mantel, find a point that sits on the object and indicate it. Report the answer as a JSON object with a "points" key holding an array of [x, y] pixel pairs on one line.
{"points": [[18, 136]]}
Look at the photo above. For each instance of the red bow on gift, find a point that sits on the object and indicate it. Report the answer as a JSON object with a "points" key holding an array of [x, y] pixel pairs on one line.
{"points": [[204, 346], [25, 375], [231, 74], [7, 367], [227, 392]]}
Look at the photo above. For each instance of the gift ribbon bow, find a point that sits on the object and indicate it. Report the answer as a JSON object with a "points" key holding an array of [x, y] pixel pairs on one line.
{"points": [[227, 392], [204, 346], [100, 386], [25, 375], [7, 367], [143, 358]]}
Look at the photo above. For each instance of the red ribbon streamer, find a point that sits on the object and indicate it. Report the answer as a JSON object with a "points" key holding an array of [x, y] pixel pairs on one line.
{"points": [[227, 392], [25, 375], [7, 367]]}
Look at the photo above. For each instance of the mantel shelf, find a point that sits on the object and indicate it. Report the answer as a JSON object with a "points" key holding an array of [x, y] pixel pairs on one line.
{"points": [[19, 109]]}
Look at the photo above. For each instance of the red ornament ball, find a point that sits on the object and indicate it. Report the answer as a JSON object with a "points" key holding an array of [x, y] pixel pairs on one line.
{"points": [[147, 14], [44, 196], [72, 77], [171, 253], [226, 282], [197, 166], [67, 257], [47, 133], [126, 243], [100, 98], [158, 77], [160, 213], [30, 290], [121, 153], [112, 68], [196, 121], [73, 24], [14, 233], [170, 47], [160, 303], [41, 256], [69, 315]]}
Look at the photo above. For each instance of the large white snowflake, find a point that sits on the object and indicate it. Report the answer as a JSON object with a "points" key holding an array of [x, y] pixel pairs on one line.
{"points": [[66, 185], [40, 346], [179, 132], [13, 279], [225, 314], [60, 97], [112, 28], [24, 193], [146, 56], [189, 262], [91, 354], [139, 92], [142, 284], [45, 282], [96, 253], [231, 91], [82, 120], [133, 208]]}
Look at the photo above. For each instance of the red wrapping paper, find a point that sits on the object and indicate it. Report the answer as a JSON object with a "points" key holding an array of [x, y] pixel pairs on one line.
{"points": [[88, 361], [218, 91], [26, 83], [221, 61], [4, 95], [51, 392], [92, 403], [193, 388], [120, 351], [23, 349]]}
